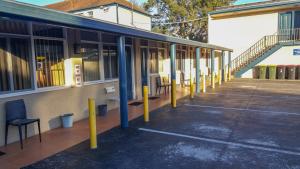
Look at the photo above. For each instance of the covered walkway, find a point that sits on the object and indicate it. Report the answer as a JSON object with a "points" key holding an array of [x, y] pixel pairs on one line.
{"points": [[57, 140]]}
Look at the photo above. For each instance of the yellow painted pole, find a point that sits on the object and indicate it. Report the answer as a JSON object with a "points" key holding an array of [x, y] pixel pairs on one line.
{"points": [[191, 88], [146, 104], [220, 77], [174, 104], [92, 122], [213, 81], [225, 73], [229, 75], [203, 84]]}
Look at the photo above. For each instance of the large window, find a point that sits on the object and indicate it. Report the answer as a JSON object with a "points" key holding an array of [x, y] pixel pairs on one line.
{"points": [[4, 76], [90, 61], [153, 61], [110, 56], [49, 56]]}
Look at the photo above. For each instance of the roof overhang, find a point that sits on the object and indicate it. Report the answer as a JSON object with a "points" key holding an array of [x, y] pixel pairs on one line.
{"points": [[255, 9], [36, 13]]}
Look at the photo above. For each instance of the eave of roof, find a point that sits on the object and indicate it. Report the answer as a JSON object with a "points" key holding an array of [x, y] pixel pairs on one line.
{"points": [[36, 13], [255, 6]]}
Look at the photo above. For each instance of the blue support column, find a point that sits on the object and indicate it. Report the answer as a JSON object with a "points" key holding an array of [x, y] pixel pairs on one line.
{"points": [[173, 74], [198, 56], [223, 66], [122, 82], [212, 67]]}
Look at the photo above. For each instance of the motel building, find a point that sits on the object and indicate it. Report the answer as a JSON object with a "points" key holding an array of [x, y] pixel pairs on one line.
{"points": [[263, 33], [55, 61]]}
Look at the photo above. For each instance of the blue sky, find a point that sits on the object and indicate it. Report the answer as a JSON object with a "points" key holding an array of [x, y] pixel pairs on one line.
{"points": [[45, 2]]}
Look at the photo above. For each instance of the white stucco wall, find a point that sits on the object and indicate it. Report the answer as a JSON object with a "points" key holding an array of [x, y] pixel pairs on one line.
{"points": [[109, 13], [283, 56], [240, 33]]}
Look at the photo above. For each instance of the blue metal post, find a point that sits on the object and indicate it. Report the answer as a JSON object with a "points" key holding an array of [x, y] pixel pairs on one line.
{"points": [[173, 74], [212, 67], [122, 82], [223, 66], [198, 56]]}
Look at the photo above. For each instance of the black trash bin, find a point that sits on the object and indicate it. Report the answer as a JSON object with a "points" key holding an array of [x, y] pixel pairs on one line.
{"points": [[102, 109], [298, 72], [256, 72], [291, 74], [281, 72]]}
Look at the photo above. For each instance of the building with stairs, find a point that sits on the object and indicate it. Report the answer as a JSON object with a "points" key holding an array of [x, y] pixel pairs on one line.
{"points": [[263, 33]]}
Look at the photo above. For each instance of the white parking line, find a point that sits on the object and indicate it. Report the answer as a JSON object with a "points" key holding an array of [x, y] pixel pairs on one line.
{"points": [[222, 142], [251, 110]]}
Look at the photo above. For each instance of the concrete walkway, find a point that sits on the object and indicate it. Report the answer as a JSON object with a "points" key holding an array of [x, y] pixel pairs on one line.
{"points": [[242, 124]]}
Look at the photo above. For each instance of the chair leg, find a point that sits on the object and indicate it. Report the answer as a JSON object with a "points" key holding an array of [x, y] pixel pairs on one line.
{"points": [[39, 126], [26, 131], [6, 133], [20, 134]]}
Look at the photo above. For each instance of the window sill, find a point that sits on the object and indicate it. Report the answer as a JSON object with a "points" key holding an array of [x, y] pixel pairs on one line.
{"points": [[40, 90], [49, 89], [99, 82]]}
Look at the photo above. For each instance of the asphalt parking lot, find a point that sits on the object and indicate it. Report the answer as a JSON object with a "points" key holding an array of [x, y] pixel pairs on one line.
{"points": [[242, 124]]}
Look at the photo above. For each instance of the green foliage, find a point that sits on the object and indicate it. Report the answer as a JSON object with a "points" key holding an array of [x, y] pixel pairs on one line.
{"points": [[170, 11]]}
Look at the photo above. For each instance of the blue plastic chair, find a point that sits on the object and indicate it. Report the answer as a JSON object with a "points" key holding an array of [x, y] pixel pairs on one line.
{"points": [[16, 116]]}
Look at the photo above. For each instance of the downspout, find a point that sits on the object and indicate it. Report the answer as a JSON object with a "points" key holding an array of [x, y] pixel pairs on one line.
{"points": [[117, 6]]}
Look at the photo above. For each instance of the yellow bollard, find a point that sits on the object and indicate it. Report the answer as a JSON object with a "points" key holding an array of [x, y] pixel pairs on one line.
{"points": [[146, 104], [225, 73], [191, 89], [173, 99], [220, 77], [229, 75], [203, 84], [92, 120], [213, 81]]}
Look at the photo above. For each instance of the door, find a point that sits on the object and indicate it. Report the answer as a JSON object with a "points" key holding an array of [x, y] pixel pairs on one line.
{"points": [[285, 25], [144, 66], [297, 25], [129, 72]]}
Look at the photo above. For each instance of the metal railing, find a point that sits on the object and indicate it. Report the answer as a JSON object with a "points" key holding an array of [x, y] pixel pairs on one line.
{"points": [[263, 45]]}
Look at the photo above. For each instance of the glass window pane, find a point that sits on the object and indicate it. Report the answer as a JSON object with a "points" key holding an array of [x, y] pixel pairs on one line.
{"points": [[109, 38], [161, 60], [4, 76], [14, 27], [153, 61], [49, 55], [110, 56], [89, 36], [178, 60], [114, 62], [47, 31], [90, 61], [20, 64]]}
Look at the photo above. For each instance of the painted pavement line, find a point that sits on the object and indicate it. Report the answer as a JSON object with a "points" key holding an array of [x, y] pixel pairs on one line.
{"points": [[222, 142], [277, 97], [252, 110]]}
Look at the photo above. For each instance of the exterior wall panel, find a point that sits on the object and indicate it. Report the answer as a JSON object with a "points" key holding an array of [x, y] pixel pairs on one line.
{"points": [[240, 33]]}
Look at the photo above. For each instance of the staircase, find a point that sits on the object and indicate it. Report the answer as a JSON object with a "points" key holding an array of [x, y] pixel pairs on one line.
{"points": [[263, 49]]}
